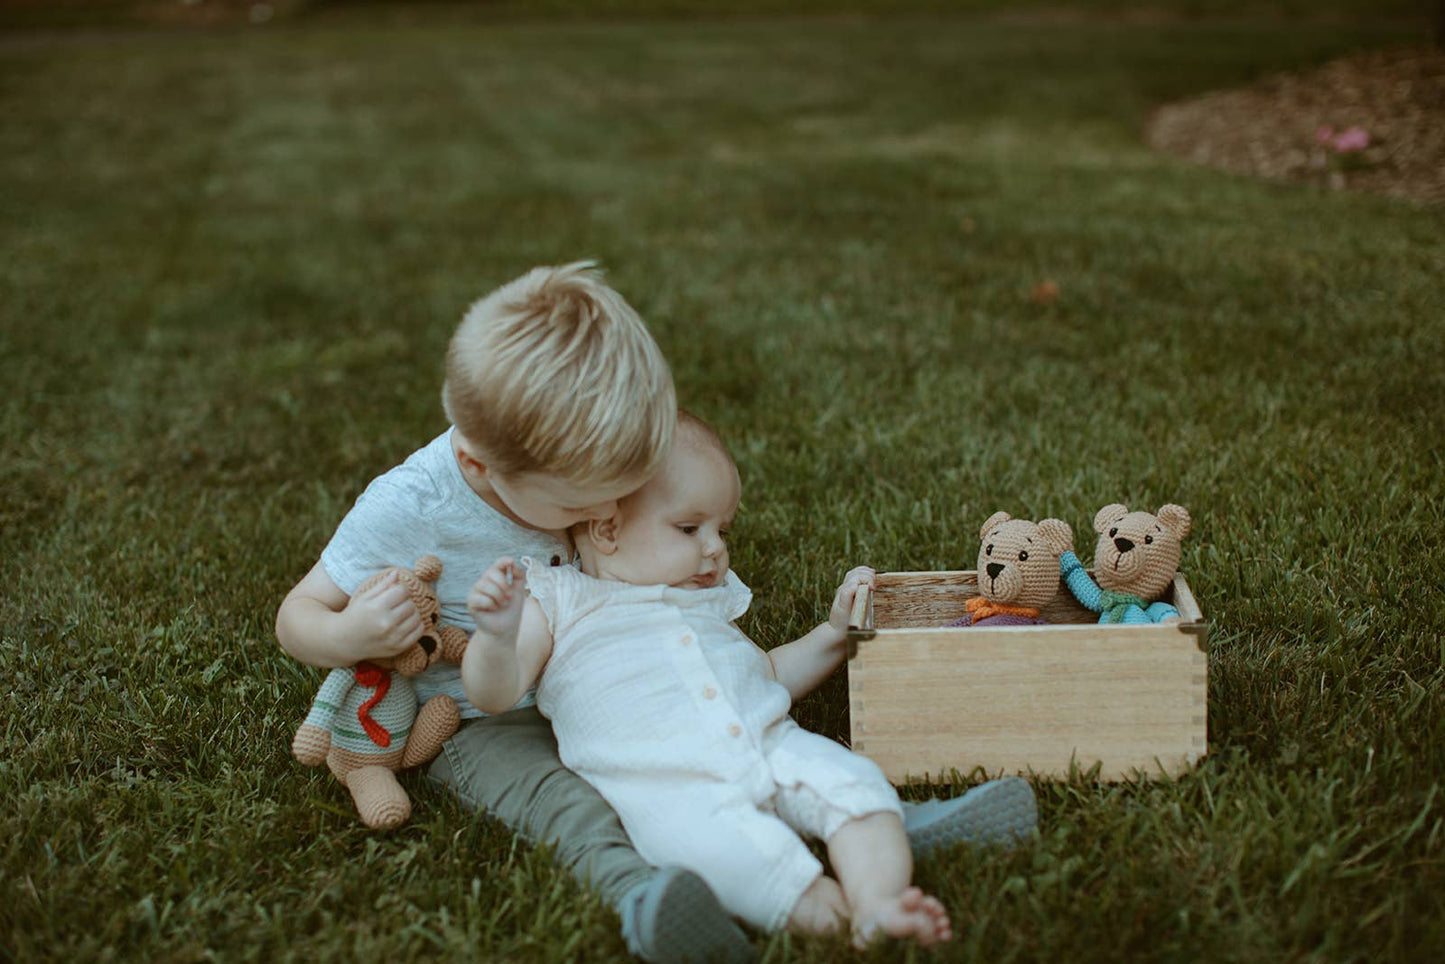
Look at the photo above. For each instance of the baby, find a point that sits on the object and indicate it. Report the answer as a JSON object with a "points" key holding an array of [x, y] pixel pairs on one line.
{"points": [[681, 722]]}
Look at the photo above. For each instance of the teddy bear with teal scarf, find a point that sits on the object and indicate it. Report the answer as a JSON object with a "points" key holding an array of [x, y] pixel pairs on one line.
{"points": [[1134, 563]]}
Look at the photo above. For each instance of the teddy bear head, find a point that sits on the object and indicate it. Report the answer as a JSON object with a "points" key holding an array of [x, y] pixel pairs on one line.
{"points": [[1138, 552], [437, 641], [1018, 563]]}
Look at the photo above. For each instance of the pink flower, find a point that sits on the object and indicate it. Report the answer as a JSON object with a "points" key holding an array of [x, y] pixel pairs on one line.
{"points": [[1353, 139], [1323, 134]]}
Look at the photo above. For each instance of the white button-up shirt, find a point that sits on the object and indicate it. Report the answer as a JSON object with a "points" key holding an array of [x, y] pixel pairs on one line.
{"points": [[655, 683]]}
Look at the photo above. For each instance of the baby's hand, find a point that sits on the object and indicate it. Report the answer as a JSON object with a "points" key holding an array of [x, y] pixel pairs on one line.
{"points": [[382, 620], [843, 601], [497, 597]]}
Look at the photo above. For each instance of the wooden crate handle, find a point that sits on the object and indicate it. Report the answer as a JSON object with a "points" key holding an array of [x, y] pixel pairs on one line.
{"points": [[860, 620]]}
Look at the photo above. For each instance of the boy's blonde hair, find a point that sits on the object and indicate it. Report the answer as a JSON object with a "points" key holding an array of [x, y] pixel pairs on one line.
{"points": [[555, 373]]}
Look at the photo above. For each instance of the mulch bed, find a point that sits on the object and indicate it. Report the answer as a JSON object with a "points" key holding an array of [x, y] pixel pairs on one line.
{"points": [[1288, 126]]}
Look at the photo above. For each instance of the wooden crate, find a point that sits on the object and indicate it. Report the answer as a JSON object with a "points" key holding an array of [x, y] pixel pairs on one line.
{"points": [[926, 700]]}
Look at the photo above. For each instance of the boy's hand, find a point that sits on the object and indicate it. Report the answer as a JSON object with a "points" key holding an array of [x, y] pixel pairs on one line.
{"points": [[843, 601], [382, 619], [496, 599]]}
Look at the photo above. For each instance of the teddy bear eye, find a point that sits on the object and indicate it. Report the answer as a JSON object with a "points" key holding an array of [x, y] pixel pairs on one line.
{"points": [[1148, 540], [1113, 532], [436, 618], [1023, 555], [988, 550]]}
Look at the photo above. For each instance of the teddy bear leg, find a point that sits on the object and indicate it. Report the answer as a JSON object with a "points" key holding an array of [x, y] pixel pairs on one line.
{"points": [[380, 799], [435, 724]]}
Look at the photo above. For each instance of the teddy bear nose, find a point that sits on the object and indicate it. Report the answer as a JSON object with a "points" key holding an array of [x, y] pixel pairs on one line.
{"points": [[427, 644], [1122, 544], [994, 568]]}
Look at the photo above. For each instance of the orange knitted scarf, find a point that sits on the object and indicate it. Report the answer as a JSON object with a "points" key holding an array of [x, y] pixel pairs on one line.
{"points": [[980, 608]]}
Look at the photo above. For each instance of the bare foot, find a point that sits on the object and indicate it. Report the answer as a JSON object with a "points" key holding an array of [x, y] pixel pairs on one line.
{"points": [[821, 910], [912, 914]]}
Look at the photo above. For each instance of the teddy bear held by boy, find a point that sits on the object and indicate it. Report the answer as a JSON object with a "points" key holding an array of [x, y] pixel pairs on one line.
{"points": [[365, 723]]}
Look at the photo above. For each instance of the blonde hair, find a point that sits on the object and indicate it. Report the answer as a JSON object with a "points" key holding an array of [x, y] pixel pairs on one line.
{"points": [[555, 373]]}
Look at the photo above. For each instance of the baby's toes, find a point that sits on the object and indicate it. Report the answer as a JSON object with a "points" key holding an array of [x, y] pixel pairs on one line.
{"points": [[932, 908], [912, 899]]}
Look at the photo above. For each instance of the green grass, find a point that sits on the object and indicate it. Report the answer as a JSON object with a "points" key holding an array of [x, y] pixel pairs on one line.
{"points": [[230, 263], [110, 14]]}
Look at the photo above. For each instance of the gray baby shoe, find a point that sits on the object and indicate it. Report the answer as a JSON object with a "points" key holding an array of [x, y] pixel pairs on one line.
{"points": [[996, 813]]}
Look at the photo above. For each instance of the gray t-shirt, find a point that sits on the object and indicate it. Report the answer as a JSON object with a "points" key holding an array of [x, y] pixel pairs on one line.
{"points": [[425, 506]]}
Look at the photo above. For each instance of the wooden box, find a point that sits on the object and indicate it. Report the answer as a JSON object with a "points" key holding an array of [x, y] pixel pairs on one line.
{"points": [[1042, 700]]}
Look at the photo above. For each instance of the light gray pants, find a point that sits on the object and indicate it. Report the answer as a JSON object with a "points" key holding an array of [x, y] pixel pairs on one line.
{"points": [[507, 766]]}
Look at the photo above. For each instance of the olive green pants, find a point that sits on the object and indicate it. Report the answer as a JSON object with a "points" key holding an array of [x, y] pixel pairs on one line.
{"points": [[507, 766]]}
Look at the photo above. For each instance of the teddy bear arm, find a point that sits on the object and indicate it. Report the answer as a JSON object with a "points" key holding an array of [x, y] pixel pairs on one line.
{"points": [[313, 739], [311, 744], [1085, 590]]}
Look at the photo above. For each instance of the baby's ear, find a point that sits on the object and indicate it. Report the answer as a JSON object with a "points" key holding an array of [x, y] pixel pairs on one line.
{"points": [[1108, 515], [997, 519], [603, 533], [1057, 535], [1175, 518]]}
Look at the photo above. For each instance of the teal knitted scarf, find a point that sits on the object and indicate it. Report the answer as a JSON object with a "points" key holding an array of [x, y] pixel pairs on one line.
{"points": [[1113, 605]]}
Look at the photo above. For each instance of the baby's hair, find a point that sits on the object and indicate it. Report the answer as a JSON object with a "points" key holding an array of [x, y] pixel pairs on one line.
{"points": [[693, 431], [555, 373]]}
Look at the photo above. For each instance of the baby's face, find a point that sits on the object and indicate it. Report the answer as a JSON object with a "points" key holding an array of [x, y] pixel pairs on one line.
{"points": [[674, 531]]}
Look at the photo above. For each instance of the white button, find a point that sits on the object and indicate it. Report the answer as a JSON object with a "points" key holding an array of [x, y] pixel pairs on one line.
{"points": [[709, 693], [735, 730]]}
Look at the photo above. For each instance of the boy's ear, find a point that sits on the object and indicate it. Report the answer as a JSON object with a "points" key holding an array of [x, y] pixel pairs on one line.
{"points": [[467, 459], [603, 533]]}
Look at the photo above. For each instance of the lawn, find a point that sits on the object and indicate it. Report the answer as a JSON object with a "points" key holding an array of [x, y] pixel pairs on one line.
{"points": [[231, 260]]}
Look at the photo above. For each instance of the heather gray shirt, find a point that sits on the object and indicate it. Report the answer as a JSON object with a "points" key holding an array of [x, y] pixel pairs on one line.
{"points": [[425, 506]]}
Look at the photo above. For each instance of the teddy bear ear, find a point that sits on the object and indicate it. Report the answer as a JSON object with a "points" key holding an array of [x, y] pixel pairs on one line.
{"points": [[1057, 535], [997, 519], [1108, 515], [428, 567], [1176, 519]]}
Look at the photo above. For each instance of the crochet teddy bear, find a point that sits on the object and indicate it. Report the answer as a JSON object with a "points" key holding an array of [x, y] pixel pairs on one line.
{"points": [[1018, 571], [365, 723], [1134, 562]]}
